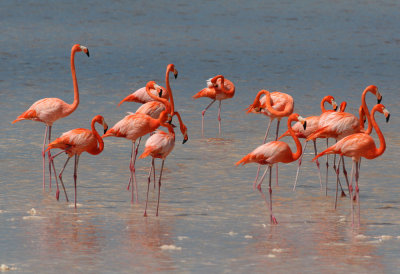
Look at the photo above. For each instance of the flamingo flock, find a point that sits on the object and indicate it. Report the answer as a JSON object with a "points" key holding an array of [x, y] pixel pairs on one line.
{"points": [[158, 109]]}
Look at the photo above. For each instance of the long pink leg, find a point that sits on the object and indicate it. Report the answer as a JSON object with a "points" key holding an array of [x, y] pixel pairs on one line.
{"points": [[259, 166], [159, 186], [44, 156], [351, 194], [55, 174], [76, 175], [136, 152], [357, 193], [272, 217], [49, 158], [60, 177], [337, 182], [154, 173], [132, 169], [298, 167], [345, 176], [335, 168], [219, 118], [276, 138], [317, 163], [202, 117], [148, 186], [327, 169]]}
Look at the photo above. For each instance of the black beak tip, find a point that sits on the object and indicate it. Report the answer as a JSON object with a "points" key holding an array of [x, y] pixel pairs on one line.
{"points": [[305, 125], [105, 130], [176, 75], [160, 93], [184, 141], [379, 100], [387, 118], [87, 53]]}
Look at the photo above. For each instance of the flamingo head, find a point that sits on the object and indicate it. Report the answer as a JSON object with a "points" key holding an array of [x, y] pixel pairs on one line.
{"points": [[184, 133], [385, 112], [374, 90], [105, 126]]}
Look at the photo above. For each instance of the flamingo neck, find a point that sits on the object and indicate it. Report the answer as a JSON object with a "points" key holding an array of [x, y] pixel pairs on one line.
{"points": [[75, 104], [181, 124], [99, 148], [171, 98], [299, 150], [161, 100], [323, 109], [378, 151], [365, 109], [286, 112]]}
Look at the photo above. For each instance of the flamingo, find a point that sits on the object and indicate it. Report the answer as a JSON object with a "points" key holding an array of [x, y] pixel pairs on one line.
{"points": [[218, 88], [359, 145], [159, 145], [274, 105], [312, 124], [76, 141], [49, 110], [141, 96], [338, 125], [136, 125], [272, 153]]}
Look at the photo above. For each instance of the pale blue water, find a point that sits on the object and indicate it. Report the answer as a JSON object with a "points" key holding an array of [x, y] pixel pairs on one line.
{"points": [[210, 215]]}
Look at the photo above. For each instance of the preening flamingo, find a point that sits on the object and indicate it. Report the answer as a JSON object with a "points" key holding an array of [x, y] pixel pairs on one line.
{"points": [[312, 124], [136, 125], [359, 145], [274, 105], [272, 153], [159, 145], [76, 141], [141, 96], [49, 110], [218, 88], [340, 124]]}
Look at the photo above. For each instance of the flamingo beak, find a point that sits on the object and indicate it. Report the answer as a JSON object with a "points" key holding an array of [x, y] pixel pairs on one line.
{"points": [[335, 106], [379, 99], [176, 74], [185, 139], [87, 53], [387, 118], [305, 125], [160, 93]]}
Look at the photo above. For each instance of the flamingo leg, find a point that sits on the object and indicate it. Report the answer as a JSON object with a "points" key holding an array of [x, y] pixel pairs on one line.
{"points": [[44, 155], [49, 158], [273, 219], [327, 169], [259, 185], [60, 177], [276, 138], [154, 173], [298, 167], [337, 181], [219, 118], [148, 186], [317, 163], [335, 168], [55, 174], [345, 176], [259, 166], [351, 194], [132, 169], [76, 175], [357, 193], [202, 117], [159, 187], [136, 151]]}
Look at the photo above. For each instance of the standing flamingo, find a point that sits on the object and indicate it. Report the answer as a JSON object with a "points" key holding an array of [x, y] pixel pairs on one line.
{"points": [[312, 124], [136, 125], [359, 145], [272, 153], [159, 145], [49, 110], [340, 124], [218, 88], [76, 141], [274, 105]]}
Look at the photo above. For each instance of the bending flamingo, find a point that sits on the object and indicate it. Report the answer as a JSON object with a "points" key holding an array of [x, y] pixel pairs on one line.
{"points": [[340, 124], [49, 110], [76, 141], [159, 145], [359, 145], [312, 124], [272, 153], [274, 105], [137, 125], [218, 88]]}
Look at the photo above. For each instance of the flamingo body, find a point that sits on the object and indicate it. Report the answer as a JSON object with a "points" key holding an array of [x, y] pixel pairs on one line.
{"points": [[159, 145], [141, 96], [76, 141], [153, 109]]}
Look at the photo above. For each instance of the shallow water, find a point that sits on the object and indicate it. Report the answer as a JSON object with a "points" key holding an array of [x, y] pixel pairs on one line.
{"points": [[210, 219]]}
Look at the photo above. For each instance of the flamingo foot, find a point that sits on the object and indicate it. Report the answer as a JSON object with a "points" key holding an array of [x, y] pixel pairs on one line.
{"points": [[145, 214], [273, 220], [343, 194]]}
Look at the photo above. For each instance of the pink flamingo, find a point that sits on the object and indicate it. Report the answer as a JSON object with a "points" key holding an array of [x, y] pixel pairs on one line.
{"points": [[218, 88], [338, 125], [76, 141], [137, 125], [312, 124], [49, 110], [274, 105], [159, 145], [272, 153], [359, 145], [141, 96]]}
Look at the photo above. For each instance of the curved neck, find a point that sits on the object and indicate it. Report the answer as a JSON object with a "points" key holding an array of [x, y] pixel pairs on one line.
{"points": [[181, 124], [171, 98], [75, 104], [163, 115], [299, 150], [378, 151], [98, 137], [286, 112], [365, 108], [323, 109], [361, 119]]}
